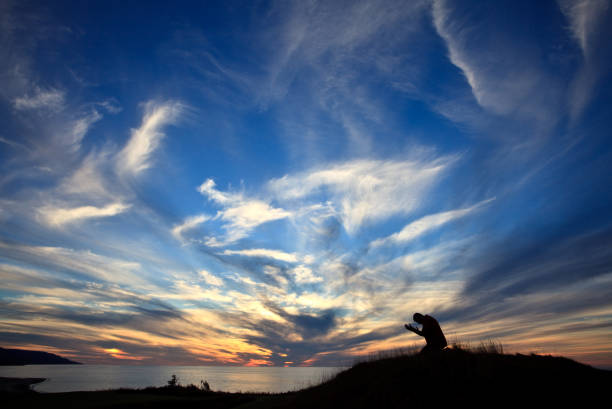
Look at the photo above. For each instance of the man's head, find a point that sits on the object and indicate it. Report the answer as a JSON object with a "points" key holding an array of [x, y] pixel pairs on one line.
{"points": [[417, 317]]}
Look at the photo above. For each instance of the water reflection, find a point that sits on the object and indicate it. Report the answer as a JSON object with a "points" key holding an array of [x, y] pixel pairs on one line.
{"points": [[67, 378]]}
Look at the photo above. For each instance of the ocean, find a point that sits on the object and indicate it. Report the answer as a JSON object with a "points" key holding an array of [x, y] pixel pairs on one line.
{"points": [[68, 378]]}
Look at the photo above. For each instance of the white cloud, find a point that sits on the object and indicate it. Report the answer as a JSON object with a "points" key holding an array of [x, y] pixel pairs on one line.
{"points": [[502, 76], [189, 291], [110, 105], [366, 190], [426, 224], [207, 188], [253, 213], [584, 17], [267, 253], [188, 224], [88, 180], [210, 278], [240, 213], [108, 269], [304, 275], [52, 99], [135, 156], [313, 33], [275, 272], [60, 216], [13, 144], [80, 127]]}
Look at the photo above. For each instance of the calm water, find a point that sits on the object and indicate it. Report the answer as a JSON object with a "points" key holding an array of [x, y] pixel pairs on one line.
{"points": [[67, 378]]}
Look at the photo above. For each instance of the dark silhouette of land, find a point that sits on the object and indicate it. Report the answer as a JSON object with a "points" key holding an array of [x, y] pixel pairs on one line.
{"points": [[25, 357], [18, 385], [450, 378]]}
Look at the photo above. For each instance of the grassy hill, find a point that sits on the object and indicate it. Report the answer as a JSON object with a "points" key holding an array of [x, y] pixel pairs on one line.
{"points": [[457, 377], [454, 377]]}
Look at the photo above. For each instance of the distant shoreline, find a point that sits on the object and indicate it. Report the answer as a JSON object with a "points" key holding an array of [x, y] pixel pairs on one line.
{"points": [[18, 384], [18, 357]]}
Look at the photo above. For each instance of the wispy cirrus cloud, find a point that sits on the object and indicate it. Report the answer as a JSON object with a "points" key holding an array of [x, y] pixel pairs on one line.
{"points": [[363, 191], [135, 156], [501, 80], [91, 189], [51, 99], [426, 224], [305, 275], [240, 214], [210, 278], [99, 267], [80, 126], [584, 16], [587, 25], [60, 216], [188, 224], [89, 180], [265, 253]]}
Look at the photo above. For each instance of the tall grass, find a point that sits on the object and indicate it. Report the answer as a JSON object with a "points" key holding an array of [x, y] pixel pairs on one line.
{"points": [[483, 347]]}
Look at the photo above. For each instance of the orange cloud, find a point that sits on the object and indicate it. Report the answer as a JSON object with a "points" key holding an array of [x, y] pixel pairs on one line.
{"points": [[119, 354], [258, 362]]}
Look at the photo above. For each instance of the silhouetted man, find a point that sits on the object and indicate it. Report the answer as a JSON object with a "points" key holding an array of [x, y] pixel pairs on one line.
{"points": [[431, 331]]}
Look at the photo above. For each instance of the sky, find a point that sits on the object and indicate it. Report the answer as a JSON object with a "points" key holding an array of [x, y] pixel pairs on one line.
{"points": [[287, 182]]}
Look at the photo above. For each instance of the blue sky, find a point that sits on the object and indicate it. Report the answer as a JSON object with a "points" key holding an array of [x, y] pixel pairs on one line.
{"points": [[286, 183]]}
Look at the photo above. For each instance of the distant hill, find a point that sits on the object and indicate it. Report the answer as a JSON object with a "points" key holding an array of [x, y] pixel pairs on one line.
{"points": [[25, 357]]}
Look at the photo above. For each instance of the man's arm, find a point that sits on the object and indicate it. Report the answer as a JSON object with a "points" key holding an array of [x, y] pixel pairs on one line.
{"points": [[413, 329]]}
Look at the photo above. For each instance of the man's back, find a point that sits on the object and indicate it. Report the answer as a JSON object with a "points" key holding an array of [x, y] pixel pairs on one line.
{"points": [[433, 333]]}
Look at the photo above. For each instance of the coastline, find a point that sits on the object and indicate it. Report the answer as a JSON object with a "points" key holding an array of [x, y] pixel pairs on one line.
{"points": [[17, 385]]}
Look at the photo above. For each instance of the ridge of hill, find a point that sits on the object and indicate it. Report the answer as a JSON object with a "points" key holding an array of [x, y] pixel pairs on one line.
{"points": [[456, 376], [27, 357]]}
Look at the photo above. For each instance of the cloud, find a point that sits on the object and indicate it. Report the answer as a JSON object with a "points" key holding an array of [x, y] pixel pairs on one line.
{"points": [[426, 224], [310, 35], [135, 156], [249, 214], [210, 278], [587, 19], [304, 275], [240, 213], [13, 144], [525, 266], [60, 216], [505, 77], [51, 99], [188, 291], [119, 354], [266, 253], [584, 16], [80, 127], [88, 180], [79, 262], [307, 325], [207, 188], [363, 190], [189, 223]]}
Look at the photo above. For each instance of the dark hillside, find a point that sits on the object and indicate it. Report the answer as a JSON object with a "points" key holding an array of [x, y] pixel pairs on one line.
{"points": [[25, 357], [457, 377], [452, 378]]}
